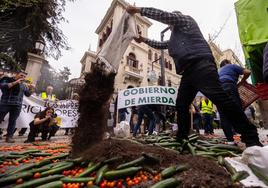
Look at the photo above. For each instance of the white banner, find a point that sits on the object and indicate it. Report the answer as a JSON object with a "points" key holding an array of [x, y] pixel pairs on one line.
{"points": [[66, 111], [147, 95]]}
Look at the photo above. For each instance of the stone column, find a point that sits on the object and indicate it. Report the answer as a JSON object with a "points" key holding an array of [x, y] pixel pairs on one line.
{"points": [[34, 66]]}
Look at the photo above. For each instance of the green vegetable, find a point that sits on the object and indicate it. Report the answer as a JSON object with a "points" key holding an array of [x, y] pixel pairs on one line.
{"points": [[258, 172], [167, 183], [100, 173], [230, 169], [133, 163], [122, 173], [12, 178], [90, 169], [191, 149], [56, 170], [238, 176], [55, 184], [23, 168], [168, 172], [77, 180], [40, 154], [25, 152], [39, 181], [221, 160], [227, 147]]}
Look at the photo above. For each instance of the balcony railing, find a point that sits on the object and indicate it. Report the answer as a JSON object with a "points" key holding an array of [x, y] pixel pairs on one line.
{"points": [[133, 71]]}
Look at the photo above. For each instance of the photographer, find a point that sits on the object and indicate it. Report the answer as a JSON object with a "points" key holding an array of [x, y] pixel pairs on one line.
{"points": [[43, 122], [13, 89]]}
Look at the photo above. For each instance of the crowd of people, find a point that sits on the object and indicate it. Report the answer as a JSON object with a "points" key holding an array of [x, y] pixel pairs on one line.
{"points": [[193, 61], [13, 89]]}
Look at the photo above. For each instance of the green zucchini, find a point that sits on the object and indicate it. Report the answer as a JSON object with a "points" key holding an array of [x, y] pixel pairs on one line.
{"points": [[12, 178], [100, 172], [56, 170], [23, 168], [133, 163], [169, 144], [168, 172], [230, 169], [238, 176], [77, 180], [167, 183], [191, 149], [258, 172], [227, 147], [89, 170], [61, 156], [221, 160], [39, 181], [25, 152], [54, 184], [60, 164], [12, 156], [40, 154], [122, 173]]}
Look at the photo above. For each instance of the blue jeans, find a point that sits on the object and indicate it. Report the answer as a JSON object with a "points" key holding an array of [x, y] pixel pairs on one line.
{"points": [[207, 119], [227, 125], [141, 112], [14, 112]]}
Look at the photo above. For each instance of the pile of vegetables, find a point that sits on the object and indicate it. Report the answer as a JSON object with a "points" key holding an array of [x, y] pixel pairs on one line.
{"points": [[46, 166]]}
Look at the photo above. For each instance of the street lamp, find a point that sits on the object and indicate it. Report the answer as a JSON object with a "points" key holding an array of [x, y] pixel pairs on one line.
{"points": [[152, 77], [162, 63], [40, 46]]}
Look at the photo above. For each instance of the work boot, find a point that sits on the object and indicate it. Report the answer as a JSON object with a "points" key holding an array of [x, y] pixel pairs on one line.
{"points": [[10, 140]]}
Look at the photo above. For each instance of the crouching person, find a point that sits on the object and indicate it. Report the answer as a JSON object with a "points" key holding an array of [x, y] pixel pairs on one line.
{"points": [[41, 123]]}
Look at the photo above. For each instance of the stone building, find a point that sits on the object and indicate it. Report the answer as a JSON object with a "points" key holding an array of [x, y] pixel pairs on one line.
{"points": [[139, 59]]}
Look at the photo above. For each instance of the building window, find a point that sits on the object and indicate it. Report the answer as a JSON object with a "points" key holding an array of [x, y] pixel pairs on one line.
{"points": [[100, 42], [170, 65], [166, 63], [155, 56], [169, 83], [132, 61], [150, 54], [108, 31], [139, 30]]}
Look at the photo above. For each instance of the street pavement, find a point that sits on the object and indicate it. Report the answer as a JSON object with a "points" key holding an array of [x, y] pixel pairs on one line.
{"points": [[60, 137]]}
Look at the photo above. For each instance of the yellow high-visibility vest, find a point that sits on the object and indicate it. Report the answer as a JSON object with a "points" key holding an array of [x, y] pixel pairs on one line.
{"points": [[207, 108], [44, 96]]}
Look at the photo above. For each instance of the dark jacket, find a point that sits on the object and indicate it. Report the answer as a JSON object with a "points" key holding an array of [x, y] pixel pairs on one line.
{"points": [[187, 46], [13, 95]]}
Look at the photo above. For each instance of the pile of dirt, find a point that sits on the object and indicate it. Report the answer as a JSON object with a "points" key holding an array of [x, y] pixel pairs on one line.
{"points": [[203, 172], [93, 109]]}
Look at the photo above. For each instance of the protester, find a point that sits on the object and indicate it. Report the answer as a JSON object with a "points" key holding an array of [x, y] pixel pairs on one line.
{"points": [[197, 118], [43, 122], [229, 75], [194, 61], [13, 89], [48, 94], [206, 107], [145, 110], [265, 64], [122, 114]]}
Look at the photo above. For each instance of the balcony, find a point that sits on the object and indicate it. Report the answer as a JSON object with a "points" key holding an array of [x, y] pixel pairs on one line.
{"points": [[132, 74]]}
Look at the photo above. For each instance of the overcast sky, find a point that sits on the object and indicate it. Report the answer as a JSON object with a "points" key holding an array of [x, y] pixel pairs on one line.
{"points": [[84, 16]]}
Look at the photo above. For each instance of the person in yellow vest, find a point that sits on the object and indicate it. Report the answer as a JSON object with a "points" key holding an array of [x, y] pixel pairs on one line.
{"points": [[48, 94], [206, 107]]}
